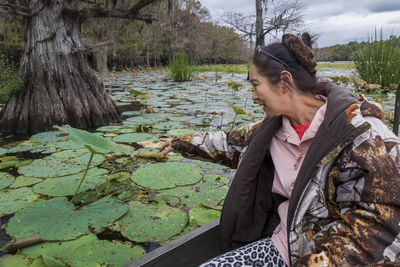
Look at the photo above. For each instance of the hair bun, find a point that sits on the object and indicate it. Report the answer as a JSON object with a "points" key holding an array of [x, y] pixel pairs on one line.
{"points": [[300, 46]]}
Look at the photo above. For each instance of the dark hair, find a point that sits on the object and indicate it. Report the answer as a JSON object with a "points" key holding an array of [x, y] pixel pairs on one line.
{"points": [[293, 54]]}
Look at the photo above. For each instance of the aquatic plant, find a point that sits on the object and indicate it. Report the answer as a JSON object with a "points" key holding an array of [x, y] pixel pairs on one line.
{"points": [[180, 68], [238, 111], [378, 62], [95, 144]]}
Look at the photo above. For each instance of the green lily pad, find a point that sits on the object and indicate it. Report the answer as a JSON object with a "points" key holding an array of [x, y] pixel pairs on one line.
{"points": [[15, 199], [169, 125], [210, 165], [151, 223], [55, 219], [22, 181], [210, 191], [109, 128], [87, 251], [14, 261], [133, 137], [200, 216], [53, 166], [95, 143], [66, 185], [48, 137], [5, 180], [180, 132], [167, 175], [67, 154]]}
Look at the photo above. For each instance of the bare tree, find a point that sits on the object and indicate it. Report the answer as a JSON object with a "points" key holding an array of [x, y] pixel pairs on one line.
{"points": [[60, 87], [271, 17]]}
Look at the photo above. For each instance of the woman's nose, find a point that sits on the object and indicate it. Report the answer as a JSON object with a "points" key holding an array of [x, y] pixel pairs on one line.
{"points": [[254, 97]]}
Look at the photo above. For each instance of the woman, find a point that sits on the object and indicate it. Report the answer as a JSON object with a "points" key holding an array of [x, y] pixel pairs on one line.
{"points": [[318, 181]]}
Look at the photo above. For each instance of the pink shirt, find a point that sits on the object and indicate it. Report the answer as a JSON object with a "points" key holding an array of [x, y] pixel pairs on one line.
{"points": [[288, 152]]}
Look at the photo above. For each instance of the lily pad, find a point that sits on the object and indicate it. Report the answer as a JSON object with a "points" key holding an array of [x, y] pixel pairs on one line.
{"points": [[87, 251], [109, 128], [48, 137], [210, 165], [167, 175], [14, 261], [200, 216], [211, 191], [55, 219], [151, 223], [169, 125], [66, 185], [180, 132], [133, 137], [53, 166], [95, 143], [15, 199], [5, 180], [22, 181]]}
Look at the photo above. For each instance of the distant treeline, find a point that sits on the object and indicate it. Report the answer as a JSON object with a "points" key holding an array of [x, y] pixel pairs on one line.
{"points": [[184, 27], [345, 52]]}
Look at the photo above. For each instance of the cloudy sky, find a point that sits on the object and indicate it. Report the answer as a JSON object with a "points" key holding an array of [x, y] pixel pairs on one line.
{"points": [[337, 21]]}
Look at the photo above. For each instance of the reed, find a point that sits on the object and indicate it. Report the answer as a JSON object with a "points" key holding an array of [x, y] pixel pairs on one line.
{"points": [[378, 62], [180, 68]]}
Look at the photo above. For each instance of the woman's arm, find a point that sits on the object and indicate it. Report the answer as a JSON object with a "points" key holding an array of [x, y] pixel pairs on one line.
{"points": [[217, 146], [365, 206]]}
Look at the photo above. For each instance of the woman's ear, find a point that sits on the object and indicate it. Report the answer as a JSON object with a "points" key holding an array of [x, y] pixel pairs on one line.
{"points": [[287, 80]]}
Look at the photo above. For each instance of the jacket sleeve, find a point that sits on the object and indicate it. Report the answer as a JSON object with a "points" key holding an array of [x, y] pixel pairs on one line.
{"points": [[217, 146], [364, 200]]}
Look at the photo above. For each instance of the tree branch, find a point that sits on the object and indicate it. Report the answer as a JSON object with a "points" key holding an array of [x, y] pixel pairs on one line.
{"points": [[15, 9], [132, 13]]}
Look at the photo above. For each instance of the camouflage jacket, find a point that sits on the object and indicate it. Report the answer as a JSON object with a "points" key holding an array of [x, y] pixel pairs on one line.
{"points": [[345, 205]]}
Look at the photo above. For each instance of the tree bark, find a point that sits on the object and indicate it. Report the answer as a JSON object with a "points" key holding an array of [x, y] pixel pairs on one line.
{"points": [[60, 87], [259, 24]]}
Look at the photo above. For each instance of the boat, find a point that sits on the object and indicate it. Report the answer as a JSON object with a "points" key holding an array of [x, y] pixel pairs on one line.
{"points": [[189, 250]]}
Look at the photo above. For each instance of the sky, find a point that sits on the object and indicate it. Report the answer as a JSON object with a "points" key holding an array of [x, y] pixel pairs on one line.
{"points": [[336, 21]]}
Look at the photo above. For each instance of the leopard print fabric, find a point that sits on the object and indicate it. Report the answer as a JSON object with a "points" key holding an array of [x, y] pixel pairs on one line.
{"points": [[256, 254]]}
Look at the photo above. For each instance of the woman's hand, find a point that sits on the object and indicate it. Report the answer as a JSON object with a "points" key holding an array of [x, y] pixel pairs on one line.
{"points": [[166, 147]]}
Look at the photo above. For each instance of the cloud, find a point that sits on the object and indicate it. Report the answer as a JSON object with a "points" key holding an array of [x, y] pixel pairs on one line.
{"points": [[383, 6]]}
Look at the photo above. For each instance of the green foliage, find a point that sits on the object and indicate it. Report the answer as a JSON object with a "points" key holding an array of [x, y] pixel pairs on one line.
{"points": [[56, 219], [167, 175], [200, 216], [223, 68], [9, 80], [87, 251], [15, 199], [5, 180], [379, 63], [235, 86], [151, 223], [180, 68]]}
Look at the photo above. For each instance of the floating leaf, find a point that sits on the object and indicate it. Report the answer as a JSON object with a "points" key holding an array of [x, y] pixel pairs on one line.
{"points": [[14, 261], [87, 251], [96, 144], [22, 181], [15, 199], [180, 132], [200, 216], [53, 166], [5, 180], [66, 185], [167, 175], [169, 125], [3, 151], [109, 128], [210, 191], [133, 137], [48, 137], [238, 110], [151, 223], [55, 219]]}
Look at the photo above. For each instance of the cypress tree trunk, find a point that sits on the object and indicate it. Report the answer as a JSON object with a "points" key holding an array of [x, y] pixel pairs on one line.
{"points": [[259, 24], [60, 87]]}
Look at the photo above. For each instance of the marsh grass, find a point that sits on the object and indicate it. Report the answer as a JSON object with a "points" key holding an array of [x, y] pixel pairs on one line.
{"points": [[223, 68], [378, 63], [181, 68]]}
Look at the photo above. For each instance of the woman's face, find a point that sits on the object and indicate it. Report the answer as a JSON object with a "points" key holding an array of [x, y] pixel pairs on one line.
{"points": [[272, 98]]}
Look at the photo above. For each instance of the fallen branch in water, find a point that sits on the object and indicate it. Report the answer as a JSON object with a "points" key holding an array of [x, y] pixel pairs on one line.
{"points": [[211, 207], [14, 245]]}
